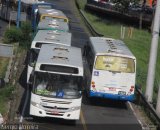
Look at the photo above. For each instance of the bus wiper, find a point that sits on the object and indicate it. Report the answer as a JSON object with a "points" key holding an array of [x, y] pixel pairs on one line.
{"points": [[114, 71]]}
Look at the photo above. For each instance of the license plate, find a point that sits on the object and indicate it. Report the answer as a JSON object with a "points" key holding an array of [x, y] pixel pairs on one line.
{"points": [[122, 93], [54, 112], [112, 89]]}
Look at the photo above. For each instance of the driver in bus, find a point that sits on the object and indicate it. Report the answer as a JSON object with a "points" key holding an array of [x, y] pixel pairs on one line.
{"points": [[41, 88]]}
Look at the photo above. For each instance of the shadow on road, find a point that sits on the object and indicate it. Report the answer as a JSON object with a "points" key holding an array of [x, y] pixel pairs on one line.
{"points": [[101, 102]]}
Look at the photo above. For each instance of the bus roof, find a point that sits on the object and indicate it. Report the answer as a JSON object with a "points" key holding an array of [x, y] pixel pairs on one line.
{"points": [[50, 36], [54, 12], [30, 1], [53, 24], [43, 5], [103, 45], [60, 55]]}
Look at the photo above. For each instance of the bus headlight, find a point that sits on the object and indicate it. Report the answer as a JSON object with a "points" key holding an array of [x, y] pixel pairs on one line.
{"points": [[74, 108], [35, 104]]}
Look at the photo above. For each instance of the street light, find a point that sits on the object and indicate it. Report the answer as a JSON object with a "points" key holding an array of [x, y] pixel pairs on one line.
{"points": [[18, 13]]}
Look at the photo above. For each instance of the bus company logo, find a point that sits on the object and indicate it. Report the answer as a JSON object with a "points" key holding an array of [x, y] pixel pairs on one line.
{"points": [[96, 73]]}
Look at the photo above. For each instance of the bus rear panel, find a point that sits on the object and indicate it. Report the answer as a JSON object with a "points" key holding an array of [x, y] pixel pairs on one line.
{"points": [[113, 77]]}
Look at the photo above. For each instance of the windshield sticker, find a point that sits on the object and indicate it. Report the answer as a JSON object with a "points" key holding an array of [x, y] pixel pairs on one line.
{"points": [[60, 94], [107, 60], [123, 66]]}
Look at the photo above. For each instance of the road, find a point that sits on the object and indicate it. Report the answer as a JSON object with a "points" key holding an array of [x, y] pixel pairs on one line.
{"points": [[100, 114]]}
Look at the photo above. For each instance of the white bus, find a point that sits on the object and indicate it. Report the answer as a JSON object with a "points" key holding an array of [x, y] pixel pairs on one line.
{"points": [[57, 82], [45, 37], [112, 69]]}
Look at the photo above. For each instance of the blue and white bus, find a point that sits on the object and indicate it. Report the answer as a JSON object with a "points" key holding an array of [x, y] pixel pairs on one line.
{"points": [[34, 11], [112, 69]]}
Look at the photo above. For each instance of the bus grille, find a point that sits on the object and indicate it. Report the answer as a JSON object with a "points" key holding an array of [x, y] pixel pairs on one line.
{"points": [[58, 108], [54, 101]]}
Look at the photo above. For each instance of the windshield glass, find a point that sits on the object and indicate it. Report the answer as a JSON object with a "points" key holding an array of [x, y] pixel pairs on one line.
{"points": [[55, 85], [33, 56], [115, 64]]}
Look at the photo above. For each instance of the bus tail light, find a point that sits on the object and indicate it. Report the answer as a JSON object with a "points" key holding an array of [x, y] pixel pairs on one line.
{"points": [[132, 88], [93, 84]]}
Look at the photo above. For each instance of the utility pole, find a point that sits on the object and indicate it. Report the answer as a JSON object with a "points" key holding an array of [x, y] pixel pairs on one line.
{"points": [[18, 13], [153, 55], [158, 103]]}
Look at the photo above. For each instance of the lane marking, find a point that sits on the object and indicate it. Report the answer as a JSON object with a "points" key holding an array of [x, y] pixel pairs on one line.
{"points": [[83, 120]]}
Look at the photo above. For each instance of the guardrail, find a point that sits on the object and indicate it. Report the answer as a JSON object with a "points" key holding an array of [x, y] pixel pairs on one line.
{"points": [[133, 16], [147, 106], [91, 29]]}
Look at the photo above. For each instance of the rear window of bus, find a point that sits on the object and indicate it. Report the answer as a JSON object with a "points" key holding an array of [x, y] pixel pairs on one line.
{"points": [[115, 64]]}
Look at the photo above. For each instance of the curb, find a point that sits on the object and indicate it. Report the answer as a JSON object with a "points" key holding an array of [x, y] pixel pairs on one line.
{"points": [[90, 27]]}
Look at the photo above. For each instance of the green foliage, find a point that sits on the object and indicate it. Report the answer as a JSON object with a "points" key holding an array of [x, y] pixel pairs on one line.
{"points": [[5, 95], [21, 35], [26, 29], [81, 4], [122, 5], [12, 35]]}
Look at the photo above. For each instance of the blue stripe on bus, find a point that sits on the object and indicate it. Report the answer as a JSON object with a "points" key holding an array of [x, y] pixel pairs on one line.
{"points": [[112, 96]]}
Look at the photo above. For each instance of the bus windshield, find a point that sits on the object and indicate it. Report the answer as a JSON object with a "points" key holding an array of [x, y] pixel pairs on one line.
{"points": [[115, 64], [59, 86]]}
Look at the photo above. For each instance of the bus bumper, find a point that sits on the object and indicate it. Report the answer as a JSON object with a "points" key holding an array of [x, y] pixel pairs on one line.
{"points": [[39, 112], [112, 96]]}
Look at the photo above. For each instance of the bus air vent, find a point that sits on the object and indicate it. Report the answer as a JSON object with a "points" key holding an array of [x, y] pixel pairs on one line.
{"points": [[61, 49], [111, 50], [52, 38], [53, 25], [60, 57], [52, 32]]}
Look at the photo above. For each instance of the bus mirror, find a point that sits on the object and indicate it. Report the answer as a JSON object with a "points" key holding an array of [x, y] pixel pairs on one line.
{"points": [[28, 56], [30, 80], [33, 64], [65, 20], [85, 50]]}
